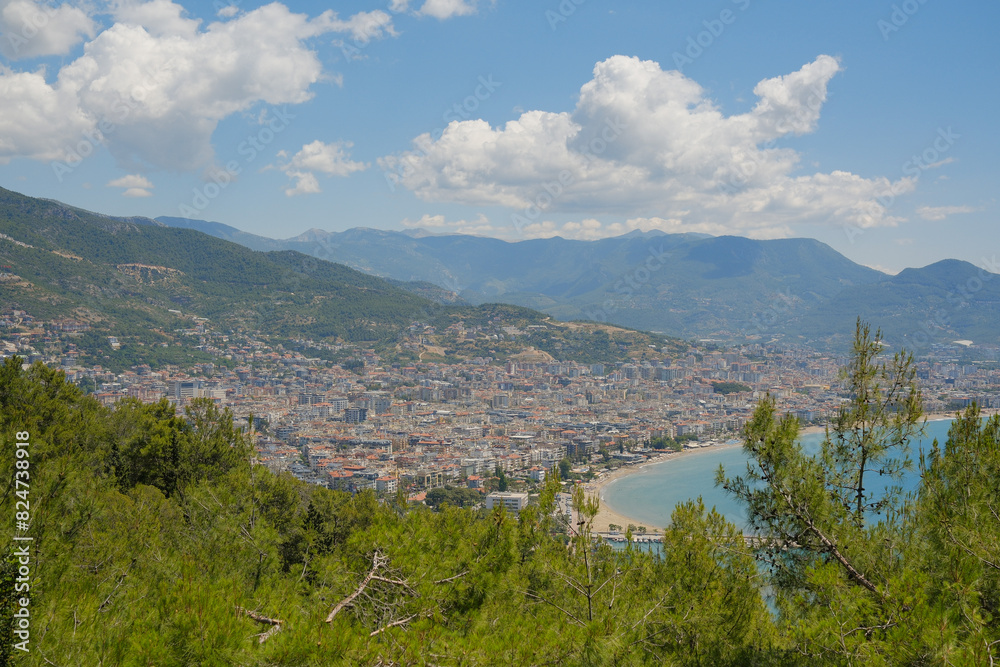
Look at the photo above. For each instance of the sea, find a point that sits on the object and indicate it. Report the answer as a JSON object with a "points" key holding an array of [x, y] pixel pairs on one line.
{"points": [[649, 496]]}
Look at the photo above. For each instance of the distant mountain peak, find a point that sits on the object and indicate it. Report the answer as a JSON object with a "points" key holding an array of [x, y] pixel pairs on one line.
{"points": [[312, 235], [686, 284]]}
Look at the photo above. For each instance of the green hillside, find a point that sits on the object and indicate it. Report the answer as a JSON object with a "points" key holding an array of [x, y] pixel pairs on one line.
{"points": [[140, 281], [141, 537], [686, 285], [940, 303]]}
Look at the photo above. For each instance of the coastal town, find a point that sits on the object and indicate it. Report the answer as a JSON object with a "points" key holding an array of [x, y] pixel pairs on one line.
{"points": [[493, 427]]}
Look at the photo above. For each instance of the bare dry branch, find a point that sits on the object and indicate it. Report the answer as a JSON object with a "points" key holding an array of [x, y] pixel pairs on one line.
{"points": [[275, 623], [831, 548], [378, 561], [402, 621], [120, 581], [549, 602], [457, 576]]}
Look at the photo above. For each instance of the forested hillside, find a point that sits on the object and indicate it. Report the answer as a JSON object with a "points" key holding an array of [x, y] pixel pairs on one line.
{"points": [[156, 541], [689, 285], [140, 282]]}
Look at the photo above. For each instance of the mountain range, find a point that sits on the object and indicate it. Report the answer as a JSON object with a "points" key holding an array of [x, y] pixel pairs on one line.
{"points": [[143, 282], [687, 285]]}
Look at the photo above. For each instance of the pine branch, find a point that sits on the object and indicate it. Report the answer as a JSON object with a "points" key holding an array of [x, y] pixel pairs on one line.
{"points": [[830, 546], [549, 602], [446, 580], [378, 561], [402, 621], [275, 623], [120, 581]]}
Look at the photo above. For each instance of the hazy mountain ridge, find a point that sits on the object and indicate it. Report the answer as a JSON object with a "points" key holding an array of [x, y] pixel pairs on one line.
{"points": [[142, 282], [689, 285]]}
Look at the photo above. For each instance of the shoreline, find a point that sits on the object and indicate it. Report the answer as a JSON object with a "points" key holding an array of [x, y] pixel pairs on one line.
{"points": [[606, 515]]}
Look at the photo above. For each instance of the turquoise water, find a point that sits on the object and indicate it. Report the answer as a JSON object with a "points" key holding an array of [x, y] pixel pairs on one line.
{"points": [[649, 496]]}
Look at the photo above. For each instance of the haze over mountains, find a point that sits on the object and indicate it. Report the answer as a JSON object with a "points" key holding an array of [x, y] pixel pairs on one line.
{"points": [[687, 285], [141, 282], [132, 270]]}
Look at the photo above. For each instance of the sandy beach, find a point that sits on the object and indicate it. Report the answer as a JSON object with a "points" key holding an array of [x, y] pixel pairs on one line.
{"points": [[607, 516]]}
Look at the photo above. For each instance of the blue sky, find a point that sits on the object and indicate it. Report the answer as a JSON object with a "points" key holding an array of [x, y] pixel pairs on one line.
{"points": [[867, 125]]}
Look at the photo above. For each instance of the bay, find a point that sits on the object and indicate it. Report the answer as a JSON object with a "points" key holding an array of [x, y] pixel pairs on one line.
{"points": [[650, 495]]}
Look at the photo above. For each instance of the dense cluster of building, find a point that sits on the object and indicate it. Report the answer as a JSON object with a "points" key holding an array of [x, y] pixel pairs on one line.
{"points": [[393, 427]]}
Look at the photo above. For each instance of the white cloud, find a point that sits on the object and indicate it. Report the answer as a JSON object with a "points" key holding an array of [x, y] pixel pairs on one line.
{"points": [[154, 85], [30, 29], [333, 159], [446, 9], [940, 163], [135, 185], [159, 17], [937, 213], [644, 143], [227, 11], [439, 9], [366, 26], [305, 183], [131, 181], [44, 123]]}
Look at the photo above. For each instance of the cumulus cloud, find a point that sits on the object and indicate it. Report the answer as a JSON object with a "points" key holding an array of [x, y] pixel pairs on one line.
{"points": [[131, 181], [158, 17], [30, 29], [135, 185], [305, 183], [333, 159], [446, 9], [648, 144], [366, 26], [937, 213], [45, 122], [154, 86]]}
